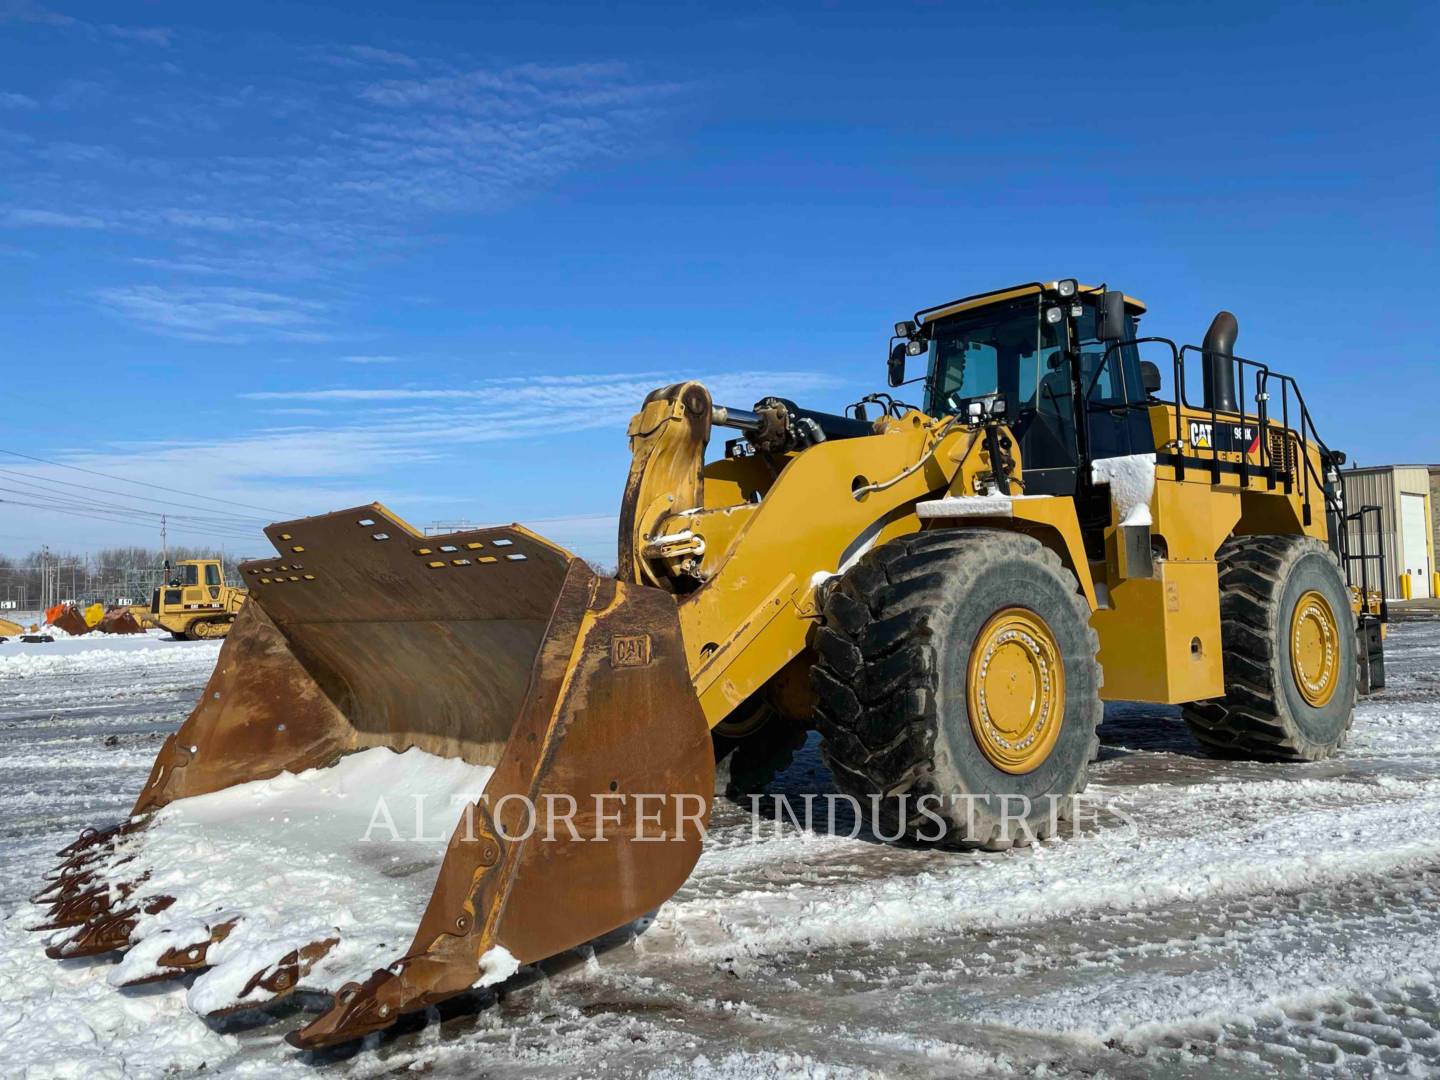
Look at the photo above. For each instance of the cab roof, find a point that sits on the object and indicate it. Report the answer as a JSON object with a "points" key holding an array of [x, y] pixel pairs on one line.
{"points": [[997, 296]]}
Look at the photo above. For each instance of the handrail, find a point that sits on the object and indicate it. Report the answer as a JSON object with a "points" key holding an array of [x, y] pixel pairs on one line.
{"points": [[1282, 472], [1365, 557], [1307, 432]]}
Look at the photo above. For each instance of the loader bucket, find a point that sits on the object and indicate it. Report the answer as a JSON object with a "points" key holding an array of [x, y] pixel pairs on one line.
{"points": [[67, 617], [365, 648], [119, 620]]}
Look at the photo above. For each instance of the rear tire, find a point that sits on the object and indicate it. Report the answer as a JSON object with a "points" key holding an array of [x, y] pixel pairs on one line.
{"points": [[1287, 634], [899, 679]]}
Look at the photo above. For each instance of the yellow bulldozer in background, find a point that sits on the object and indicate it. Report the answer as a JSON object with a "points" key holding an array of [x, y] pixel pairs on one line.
{"points": [[195, 602], [948, 591]]}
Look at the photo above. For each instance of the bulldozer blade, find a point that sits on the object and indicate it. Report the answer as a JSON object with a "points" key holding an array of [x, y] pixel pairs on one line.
{"points": [[494, 648]]}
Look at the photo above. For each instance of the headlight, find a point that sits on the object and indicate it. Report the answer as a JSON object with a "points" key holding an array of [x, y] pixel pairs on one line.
{"points": [[1053, 314], [1066, 287], [905, 329], [914, 348]]}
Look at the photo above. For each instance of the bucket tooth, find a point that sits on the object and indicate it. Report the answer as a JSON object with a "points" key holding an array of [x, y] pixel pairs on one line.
{"points": [[359, 1009], [280, 979], [106, 933], [90, 837], [62, 887], [76, 909], [87, 899], [85, 861], [184, 959]]}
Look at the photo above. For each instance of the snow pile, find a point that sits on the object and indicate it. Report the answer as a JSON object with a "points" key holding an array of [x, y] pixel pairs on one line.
{"points": [[96, 653], [1132, 482], [350, 852]]}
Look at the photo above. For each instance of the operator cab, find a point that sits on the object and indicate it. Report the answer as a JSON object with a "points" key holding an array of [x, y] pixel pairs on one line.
{"points": [[192, 575], [1026, 355]]}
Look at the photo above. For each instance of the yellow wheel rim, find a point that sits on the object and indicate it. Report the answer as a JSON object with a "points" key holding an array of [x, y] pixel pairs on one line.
{"points": [[1314, 648], [1015, 688]]}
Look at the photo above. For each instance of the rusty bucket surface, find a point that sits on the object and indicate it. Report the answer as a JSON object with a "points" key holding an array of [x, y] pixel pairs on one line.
{"points": [[67, 617], [492, 646], [119, 620]]}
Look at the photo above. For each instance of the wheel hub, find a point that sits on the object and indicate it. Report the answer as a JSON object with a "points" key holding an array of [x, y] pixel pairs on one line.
{"points": [[1314, 649], [1015, 689]]}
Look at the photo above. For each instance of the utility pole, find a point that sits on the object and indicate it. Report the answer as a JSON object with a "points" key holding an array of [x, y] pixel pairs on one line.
{"points": [[47, 601], [164, 542]]}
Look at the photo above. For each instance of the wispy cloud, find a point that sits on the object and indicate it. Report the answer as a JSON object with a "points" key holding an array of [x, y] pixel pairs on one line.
{"points": [[337, 173], [470, 412], [10, 100], [160, 36], [366, 55], [218, 314], [26, 11], [23, 216], [369, 359]]}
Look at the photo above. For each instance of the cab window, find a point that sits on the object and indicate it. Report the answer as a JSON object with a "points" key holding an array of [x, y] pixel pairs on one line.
{"points": [[212, 574], [190, 574]]}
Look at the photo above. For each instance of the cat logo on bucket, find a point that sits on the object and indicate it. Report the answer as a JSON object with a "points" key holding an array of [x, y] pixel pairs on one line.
{"points": [[632, 650]]}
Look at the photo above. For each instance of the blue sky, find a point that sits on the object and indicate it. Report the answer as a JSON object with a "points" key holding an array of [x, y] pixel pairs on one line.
{"points": [[435, 254]]}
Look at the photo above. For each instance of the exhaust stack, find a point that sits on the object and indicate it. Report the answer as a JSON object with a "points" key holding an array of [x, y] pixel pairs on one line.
{"points": [[1219, 368]]}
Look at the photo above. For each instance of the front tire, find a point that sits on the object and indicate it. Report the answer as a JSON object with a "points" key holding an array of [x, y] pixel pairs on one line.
{"points": [[1287, 634], [957, 667], [749, 754]]}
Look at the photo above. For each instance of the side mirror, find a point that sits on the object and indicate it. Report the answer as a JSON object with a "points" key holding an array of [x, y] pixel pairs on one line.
{"points": [[895, 369], [1112, 316], [1149, 377]]}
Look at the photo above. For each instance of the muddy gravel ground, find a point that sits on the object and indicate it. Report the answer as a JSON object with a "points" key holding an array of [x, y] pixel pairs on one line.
{"points": [[1211, 918]]}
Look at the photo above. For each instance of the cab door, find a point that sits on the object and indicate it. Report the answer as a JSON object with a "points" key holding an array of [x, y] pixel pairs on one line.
{"points": [[213, 581], [1114, 399]]}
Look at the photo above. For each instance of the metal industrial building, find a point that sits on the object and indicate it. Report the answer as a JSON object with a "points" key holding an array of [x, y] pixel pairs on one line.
{"points": [[1406, 529]]}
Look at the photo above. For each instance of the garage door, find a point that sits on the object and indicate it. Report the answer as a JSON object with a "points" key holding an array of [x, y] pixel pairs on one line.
{"points": [[1414, 553]]}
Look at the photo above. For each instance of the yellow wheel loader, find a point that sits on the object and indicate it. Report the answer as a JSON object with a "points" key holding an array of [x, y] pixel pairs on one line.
{"points": [[195, 602], [947, 591]]}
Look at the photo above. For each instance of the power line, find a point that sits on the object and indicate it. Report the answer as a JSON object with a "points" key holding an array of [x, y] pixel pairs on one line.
{"points": [[31, 478], [80, 502], [142, 483], [97, 514]]}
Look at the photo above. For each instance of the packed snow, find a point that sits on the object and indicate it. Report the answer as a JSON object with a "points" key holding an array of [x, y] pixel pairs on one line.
{"points": [[297, 859], [1210, 918], [1132, 482]]}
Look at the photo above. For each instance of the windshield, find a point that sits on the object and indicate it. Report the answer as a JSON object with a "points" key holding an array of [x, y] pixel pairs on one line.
{"points": [[190, 575], [1000, 348]]}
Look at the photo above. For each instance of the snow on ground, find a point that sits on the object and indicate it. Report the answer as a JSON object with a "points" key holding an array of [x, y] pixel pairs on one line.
{"points": [[1211, 918]]}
